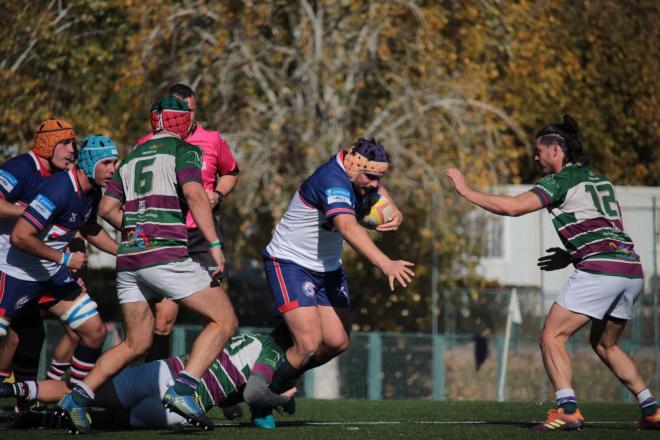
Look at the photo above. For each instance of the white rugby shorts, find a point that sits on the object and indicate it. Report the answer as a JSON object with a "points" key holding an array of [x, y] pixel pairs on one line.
{"points": [[174, 281], [598, 295]]}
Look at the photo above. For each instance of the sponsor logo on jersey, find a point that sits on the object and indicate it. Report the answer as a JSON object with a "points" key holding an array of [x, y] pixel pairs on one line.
{"points": [[22, 301], [309, 289], [43, 205], [7, 180], [194, 159], [338, 195], [73, 217]]}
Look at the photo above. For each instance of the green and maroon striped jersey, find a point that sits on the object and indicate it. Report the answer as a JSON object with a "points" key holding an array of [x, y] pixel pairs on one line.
{"points": [[587, 217], [149, 183], [243, 356]]}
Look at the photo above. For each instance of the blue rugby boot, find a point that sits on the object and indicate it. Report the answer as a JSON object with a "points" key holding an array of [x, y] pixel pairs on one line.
{"points": [[76, 415], [188, 407], [262, 418]]}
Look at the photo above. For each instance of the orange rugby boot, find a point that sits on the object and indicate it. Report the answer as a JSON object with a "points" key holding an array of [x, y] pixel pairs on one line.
{"points": [[559, 421]]}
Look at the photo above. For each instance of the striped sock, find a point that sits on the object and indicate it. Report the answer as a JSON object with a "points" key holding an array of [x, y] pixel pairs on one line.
{"points": [[566, 400], [647, 402], [186, 383], [57, 370], [84, 359], [28, 390], [26, 367]]}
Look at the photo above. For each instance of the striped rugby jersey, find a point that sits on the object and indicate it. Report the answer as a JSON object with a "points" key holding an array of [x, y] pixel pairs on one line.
{"points": [[587, 218], [149, 183], [225, 380]]}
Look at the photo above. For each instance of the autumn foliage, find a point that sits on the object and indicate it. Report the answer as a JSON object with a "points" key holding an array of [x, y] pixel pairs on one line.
{"points": [[439, 83]]}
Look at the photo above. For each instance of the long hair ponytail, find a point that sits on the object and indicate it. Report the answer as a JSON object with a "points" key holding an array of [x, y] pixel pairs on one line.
{"points": [[566, 135]]}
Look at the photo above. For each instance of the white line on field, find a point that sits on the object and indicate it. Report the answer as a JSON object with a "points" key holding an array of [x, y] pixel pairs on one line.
{"points": [[421, 422]]}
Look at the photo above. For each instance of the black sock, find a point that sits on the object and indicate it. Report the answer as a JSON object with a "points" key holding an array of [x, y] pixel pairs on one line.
{"points": [[284, 377], [160, 348], [312, 363]]}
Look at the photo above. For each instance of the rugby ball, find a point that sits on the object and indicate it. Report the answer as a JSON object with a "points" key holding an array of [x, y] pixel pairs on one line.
{"points": [[379, 211]]}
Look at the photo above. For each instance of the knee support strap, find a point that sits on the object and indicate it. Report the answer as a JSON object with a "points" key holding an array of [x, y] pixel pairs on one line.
{"points": [[79, 312], [4, 327]]}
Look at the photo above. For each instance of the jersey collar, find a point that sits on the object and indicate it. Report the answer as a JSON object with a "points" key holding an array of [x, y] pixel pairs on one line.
{"points": [[340, 159], [44, 172], [74, 180]]}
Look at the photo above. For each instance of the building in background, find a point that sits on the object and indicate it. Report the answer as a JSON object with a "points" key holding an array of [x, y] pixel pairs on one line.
{"points": [[513, 244]]}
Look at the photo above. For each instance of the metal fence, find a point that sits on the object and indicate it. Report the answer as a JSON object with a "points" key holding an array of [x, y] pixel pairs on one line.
{"points": [[442, 367]]}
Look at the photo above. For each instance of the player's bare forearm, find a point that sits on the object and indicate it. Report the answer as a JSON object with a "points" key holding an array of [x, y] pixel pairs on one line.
{"points": [[9, 210], [392, 223], [100, 238], [25, 237], [359, 240], [111, 210], [498, 204], [512, 206], [226, 183], [200, 209]]}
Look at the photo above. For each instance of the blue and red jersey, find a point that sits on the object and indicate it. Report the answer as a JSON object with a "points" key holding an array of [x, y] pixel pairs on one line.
{"points": [[57, 210], [305, 235]]}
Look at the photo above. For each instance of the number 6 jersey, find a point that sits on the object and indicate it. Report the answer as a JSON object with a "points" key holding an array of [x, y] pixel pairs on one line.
{"points": [[587, 218], [149, 183]]}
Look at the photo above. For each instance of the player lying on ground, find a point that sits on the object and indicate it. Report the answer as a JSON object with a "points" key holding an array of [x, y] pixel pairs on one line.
{"points": [[242, 372]]}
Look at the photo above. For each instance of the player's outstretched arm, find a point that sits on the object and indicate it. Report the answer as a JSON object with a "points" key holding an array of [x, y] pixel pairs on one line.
{"points": [[393, 223], [512, 206], [359, 240]]}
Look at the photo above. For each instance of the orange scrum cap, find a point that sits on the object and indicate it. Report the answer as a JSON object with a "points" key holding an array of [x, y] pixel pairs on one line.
{"points": [[49, 134]]}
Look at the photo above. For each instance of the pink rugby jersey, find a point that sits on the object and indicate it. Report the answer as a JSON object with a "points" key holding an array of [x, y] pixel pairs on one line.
{"points": [[216, 159]]}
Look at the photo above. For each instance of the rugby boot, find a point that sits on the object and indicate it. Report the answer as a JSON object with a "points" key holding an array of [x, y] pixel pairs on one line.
{"points": [[233, 412], [262, 418], [25, 420], [188, 407], [650, 422], [559, 421], [78, 418], [23, 404], [7, 390]]}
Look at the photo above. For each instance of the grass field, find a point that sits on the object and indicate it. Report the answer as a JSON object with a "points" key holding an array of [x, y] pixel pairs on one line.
{"points": [[394, 419]]}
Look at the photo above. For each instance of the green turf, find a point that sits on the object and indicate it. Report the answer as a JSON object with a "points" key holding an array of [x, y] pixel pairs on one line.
{"points": [[393, 419]]}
